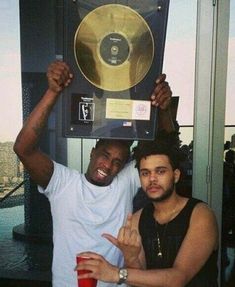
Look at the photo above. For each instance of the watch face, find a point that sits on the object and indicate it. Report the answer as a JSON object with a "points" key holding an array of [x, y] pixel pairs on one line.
{"points": [[123, 273]]}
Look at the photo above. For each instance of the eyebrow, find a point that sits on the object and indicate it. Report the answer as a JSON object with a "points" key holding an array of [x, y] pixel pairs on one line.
{"points": [[156, 168], [161, 167]]}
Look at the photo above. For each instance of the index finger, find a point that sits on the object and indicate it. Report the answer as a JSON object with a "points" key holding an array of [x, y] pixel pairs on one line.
{"points": [[161, 78]]}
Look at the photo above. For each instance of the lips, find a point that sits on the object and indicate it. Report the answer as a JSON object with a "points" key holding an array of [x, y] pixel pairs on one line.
{"points": [[154, 188], [101, 173]]}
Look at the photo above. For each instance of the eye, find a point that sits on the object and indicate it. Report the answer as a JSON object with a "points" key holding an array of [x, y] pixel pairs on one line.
{"points": [[105, 155], [117, 164], [160, 171], [144, 173]]}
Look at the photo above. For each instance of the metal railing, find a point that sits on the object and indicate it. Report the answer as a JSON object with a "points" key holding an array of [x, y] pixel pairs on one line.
{"points": [[12, 191]]}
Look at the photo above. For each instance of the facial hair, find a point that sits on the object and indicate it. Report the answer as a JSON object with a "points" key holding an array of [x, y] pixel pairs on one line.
{"points": [[168, 192]]}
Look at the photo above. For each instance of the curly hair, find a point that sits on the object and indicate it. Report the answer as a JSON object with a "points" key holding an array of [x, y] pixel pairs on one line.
{"points": [[165, 144]]}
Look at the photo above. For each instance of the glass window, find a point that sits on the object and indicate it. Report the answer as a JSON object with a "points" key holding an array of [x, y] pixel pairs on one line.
{"points": [[228, 220], [11, 170], [179, 61]]}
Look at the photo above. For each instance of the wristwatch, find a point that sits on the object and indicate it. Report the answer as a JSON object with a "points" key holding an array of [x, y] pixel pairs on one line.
{"points": [[123, 274]]}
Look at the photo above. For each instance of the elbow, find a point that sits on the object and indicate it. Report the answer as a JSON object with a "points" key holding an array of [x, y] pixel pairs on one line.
{"points": [[19, 149], [23, 150]]}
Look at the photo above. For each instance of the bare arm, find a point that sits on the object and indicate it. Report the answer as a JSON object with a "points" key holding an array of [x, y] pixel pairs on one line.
{"points": [[161, 98], [201, 240], [202, 236], [39, 165]]}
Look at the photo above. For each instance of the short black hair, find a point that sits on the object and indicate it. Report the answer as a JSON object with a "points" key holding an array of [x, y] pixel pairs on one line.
{"points": [[125, 143], [161, 146]]}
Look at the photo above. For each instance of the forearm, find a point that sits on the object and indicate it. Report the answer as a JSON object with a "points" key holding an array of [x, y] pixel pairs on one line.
{"points": [[28, 138], [155, 278], [102, 270], [144, 278], [136, 263], [165, 121]]}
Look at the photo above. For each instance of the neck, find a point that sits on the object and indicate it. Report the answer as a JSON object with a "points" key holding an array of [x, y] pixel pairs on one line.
{"points": [[166, 210]]}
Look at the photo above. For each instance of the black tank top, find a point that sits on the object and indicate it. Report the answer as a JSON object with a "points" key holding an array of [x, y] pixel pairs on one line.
{"points": [[171, 237]]}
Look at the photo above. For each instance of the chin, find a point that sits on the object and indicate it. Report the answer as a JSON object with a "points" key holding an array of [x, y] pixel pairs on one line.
{"points": [[101, 183], [154, 195], [154, 198]]}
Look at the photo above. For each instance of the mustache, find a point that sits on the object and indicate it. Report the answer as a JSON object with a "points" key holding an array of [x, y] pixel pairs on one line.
{"points": [[153, 184]]}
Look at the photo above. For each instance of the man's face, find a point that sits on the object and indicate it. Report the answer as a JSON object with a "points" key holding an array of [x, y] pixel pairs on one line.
{"points": [[105, 163], [157, 177]]}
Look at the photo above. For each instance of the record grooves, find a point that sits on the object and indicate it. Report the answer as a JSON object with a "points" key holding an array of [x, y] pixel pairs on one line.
{"points": [[116, 54], [115, 50]]}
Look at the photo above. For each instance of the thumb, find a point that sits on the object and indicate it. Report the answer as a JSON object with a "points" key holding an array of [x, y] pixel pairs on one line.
{"points": [[110, 238]]}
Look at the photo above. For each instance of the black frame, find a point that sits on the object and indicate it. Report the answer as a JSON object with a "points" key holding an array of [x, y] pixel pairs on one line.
{"points": [[155, 13]]}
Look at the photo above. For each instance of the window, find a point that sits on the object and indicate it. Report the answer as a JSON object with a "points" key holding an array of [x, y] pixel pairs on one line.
{"points": [[179, 61], [11, 171]]}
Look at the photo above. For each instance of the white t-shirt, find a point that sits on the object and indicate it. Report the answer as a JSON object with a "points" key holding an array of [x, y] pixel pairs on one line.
{"points": [[81, 213]]}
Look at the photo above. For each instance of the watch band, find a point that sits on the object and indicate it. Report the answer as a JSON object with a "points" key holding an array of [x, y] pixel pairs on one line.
{"points": [[123, 274]]}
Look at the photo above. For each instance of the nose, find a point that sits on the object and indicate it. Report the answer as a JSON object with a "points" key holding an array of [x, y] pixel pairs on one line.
{"points": [[152, 177], [107, 164]]}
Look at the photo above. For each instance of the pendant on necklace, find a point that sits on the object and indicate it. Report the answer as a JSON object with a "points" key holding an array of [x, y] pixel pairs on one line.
{"points": [[159, 253]]}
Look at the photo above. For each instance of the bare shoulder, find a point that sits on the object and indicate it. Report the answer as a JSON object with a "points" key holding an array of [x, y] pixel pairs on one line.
{"points": [[203, 213], [203, 218], [202, 210]]}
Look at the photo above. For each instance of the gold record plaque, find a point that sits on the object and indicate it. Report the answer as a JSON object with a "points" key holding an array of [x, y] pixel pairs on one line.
{"points": [[114, 47], [115, 51]]}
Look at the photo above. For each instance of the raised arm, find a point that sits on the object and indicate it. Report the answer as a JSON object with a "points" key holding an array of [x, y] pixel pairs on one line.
{"points": [[39, 165], [161, 98]]}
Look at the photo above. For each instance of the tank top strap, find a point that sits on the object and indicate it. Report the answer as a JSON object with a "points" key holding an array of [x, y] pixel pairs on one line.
{"points": [[188, 208], [147, 221]]}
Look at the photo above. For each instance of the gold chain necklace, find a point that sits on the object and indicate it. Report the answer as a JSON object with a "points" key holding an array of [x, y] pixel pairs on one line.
{"points": [[159, 247], [159, 253]]}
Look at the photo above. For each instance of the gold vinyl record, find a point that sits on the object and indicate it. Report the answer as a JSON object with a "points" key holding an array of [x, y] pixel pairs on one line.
{"points": [[114, 47]]}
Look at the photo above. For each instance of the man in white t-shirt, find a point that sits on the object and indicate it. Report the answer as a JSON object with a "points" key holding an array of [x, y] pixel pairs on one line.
{"points": [[83, 206]]}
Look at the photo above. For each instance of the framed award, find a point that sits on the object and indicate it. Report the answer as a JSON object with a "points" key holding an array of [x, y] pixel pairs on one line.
{"points": [[115, 50]]}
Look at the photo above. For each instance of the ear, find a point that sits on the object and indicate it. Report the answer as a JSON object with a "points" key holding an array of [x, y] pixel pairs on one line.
{"points": [[176, 175], [92, 152]]}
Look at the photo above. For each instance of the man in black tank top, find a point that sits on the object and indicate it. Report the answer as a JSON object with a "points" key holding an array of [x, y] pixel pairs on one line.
{"points": [[173, 241]]}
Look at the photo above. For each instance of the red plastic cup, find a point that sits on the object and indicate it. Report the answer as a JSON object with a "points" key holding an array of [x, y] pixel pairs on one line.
{"points": [[87, 282]]}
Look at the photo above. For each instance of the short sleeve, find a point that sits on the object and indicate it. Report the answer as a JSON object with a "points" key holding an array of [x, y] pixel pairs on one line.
{"points": [[61, 177]]}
